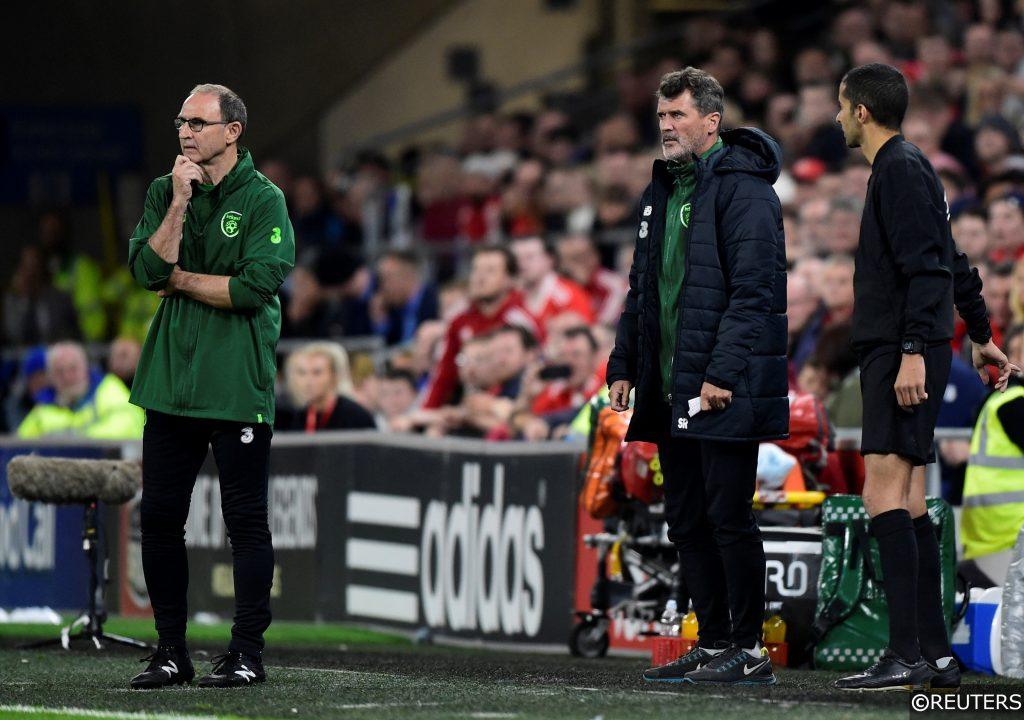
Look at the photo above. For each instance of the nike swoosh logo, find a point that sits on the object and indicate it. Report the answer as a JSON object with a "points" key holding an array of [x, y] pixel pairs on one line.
{"points": [[748, 670]]}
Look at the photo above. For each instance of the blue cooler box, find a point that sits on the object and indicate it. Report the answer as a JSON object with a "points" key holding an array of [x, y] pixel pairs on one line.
{"points": [[972, 639]]}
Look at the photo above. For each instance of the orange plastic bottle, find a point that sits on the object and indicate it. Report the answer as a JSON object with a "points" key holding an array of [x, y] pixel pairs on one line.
{"points": [[774, 630], [690, 625]]}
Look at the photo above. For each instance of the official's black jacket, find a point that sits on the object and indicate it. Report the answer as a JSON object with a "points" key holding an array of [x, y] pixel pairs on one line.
{"points": [[732, 320], [909, 272]]}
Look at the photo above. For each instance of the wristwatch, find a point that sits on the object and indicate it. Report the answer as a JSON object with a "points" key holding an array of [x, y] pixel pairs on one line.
{"points": [[912, 347]]}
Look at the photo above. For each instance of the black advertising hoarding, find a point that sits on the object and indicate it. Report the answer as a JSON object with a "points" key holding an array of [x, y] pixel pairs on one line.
{"points": [[471, 539], [295, 475], [292, 503], [792, 566]]}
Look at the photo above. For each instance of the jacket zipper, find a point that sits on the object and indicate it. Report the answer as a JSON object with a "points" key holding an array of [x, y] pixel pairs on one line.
{"points": [[195, 334], [698, 175]]}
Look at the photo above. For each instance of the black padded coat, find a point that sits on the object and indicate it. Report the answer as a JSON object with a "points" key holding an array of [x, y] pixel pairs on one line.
{"points": [[732, 320]]}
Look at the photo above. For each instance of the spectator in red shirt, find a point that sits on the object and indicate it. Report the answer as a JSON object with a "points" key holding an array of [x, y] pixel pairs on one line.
{"points": [[555, 391], [579, 259], [1006, 229], [546, 293], [970, 231], [580, 364], [494, 302], [837, 289]]}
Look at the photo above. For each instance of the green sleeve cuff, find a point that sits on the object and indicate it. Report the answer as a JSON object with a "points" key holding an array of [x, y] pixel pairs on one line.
{"points": [[242, 297], [157, 269]]}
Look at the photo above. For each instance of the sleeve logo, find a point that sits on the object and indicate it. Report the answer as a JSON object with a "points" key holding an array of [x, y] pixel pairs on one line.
{"points": [[230, 223], [275, 236]]}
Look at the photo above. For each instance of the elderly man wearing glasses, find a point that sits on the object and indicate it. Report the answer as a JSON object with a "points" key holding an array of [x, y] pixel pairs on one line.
{"points": [[215, 243]]}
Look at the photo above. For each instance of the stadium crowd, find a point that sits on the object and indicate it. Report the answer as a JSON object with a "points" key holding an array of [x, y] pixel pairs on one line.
{"points": [[493, 270]]}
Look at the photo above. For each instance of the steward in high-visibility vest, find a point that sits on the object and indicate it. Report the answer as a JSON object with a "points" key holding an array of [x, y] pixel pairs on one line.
{"points": [[993, 504], [80, 276], [104, 413]]}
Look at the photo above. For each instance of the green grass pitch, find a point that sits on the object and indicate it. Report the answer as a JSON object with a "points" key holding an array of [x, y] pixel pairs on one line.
{"points": [[336, 671]]}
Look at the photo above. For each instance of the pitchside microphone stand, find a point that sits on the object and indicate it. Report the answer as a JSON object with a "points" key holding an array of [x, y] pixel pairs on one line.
{"points": [[91, 621], [86, 482]]}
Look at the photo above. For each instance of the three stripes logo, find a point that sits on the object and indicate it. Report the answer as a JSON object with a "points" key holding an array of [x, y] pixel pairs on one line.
{"points": [[477, 565]]}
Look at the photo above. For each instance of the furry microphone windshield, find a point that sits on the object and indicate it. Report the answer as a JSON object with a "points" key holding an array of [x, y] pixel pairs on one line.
{"points": [[70, 481]]}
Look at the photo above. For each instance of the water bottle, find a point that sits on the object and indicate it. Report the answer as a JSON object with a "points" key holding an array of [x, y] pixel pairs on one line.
{"points": [[690, 626], [670, 618], [774, 631], [1012, 631], [774, 627]]}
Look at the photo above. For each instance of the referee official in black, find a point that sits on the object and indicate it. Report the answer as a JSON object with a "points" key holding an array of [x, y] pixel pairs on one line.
{"points": [[908, 277]]}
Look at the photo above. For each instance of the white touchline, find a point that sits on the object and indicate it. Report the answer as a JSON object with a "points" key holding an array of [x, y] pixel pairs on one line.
{"points": [[374, 706], [341, 671], [103, 714]]}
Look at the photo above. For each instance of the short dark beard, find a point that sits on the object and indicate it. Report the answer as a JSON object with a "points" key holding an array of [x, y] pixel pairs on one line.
{"points": [[852, 142]]}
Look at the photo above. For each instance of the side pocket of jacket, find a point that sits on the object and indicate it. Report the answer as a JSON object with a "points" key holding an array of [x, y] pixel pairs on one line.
{"points": [[261, 356]]}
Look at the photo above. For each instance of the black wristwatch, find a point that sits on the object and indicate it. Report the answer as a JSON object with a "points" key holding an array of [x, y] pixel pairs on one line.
{"points": [[912, 347]]}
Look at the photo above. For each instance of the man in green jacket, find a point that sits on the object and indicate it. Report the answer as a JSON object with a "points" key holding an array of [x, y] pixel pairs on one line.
{"points": [[216, 244]]}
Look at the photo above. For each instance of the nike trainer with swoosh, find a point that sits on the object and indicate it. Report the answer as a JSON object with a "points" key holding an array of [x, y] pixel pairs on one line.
{"points": [[674, 671], [734, 666], [168, 666], [234, 669], [891, 672]]}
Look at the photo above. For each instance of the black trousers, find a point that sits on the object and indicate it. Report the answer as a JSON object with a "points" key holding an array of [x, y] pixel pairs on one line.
{"points": [[173, 451], [709, 487]]}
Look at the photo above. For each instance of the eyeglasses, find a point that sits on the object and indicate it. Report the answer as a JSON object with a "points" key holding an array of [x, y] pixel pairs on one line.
{"points": [[196, 125]]}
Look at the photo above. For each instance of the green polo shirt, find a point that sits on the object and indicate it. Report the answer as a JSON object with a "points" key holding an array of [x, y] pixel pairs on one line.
{"points": [[673, 258]]}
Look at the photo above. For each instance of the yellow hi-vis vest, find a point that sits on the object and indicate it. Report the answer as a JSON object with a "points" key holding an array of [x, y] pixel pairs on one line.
{"points": [[993, 505], [107, 416]]}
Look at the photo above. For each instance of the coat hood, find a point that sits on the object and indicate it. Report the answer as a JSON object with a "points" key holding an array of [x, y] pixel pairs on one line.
{"points": [[751, 151]]}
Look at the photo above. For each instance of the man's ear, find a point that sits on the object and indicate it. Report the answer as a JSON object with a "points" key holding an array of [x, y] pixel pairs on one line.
{"points": [[712, 122], [232, 132], [863, 114]]}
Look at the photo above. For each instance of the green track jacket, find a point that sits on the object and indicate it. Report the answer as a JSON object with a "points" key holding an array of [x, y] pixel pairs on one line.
{"points": [[197, 360]]}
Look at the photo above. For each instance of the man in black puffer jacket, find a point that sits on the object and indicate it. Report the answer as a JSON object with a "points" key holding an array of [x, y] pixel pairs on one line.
{"points": [[702, 340]]}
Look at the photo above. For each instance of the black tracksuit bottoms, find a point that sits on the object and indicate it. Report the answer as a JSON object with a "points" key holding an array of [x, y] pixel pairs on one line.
{"points": [[709, 489], [173, 450]]}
